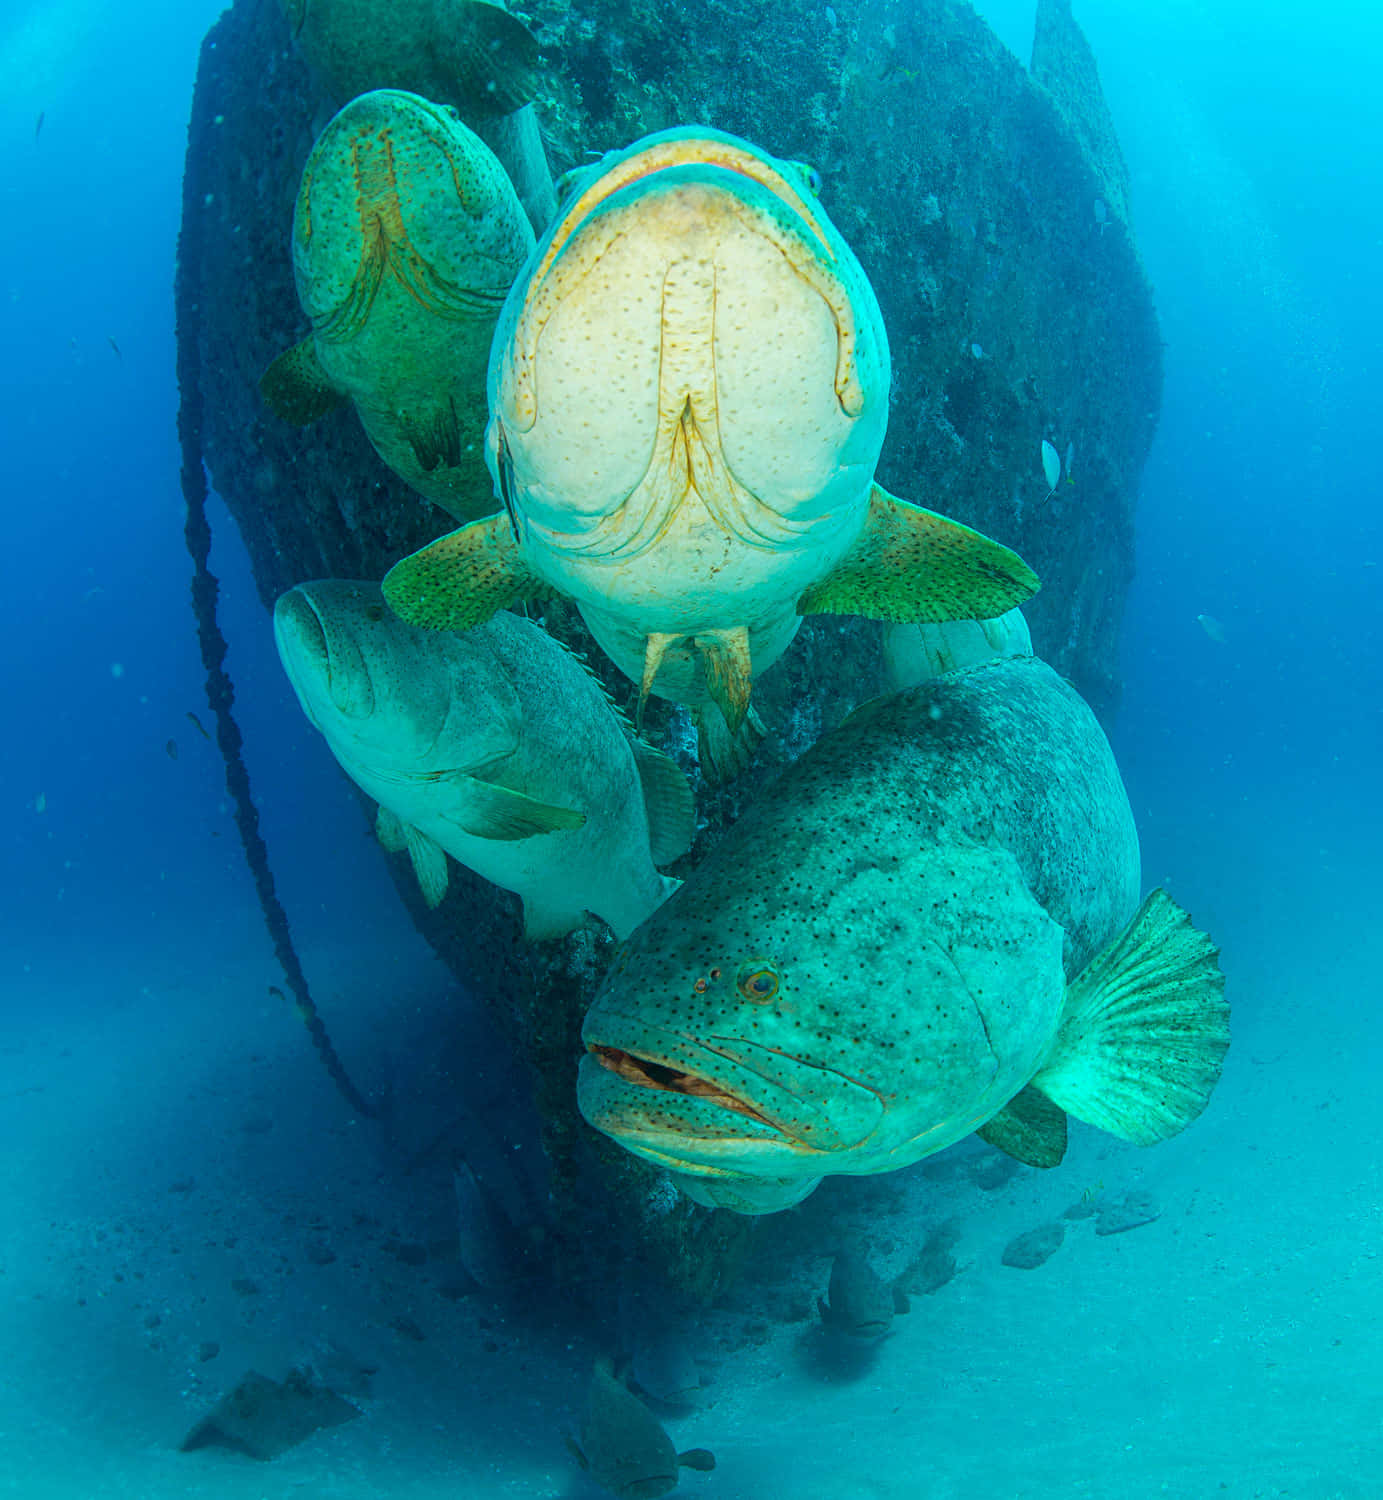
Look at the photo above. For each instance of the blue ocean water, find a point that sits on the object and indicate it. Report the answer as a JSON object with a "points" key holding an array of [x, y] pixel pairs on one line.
{"points": [[135, 964]]}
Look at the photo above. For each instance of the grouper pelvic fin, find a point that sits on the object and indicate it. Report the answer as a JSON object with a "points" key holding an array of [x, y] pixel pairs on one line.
{"points": [[725, 664], [724, 754], [1144, 1031], [297, 389], [655, 648], [729, 671], [434, 435], [429, 864], [1029, 1128], [389, 830], [463, 578], [910, 565]]}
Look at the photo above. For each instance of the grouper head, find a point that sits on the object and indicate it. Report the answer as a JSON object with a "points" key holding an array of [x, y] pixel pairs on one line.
{"points": [[380, 690], [849, 1007], [398, 191], [691, 332]]}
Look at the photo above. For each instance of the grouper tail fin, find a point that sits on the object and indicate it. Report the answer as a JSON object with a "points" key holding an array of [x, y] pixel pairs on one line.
{"points": [[1145, 1029]]}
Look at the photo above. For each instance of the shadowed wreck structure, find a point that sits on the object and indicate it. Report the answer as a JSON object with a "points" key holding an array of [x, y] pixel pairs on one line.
{"points": [[988, 206]]}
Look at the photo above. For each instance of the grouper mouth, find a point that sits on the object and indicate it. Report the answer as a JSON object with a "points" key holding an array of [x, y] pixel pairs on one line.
{"points": [[645, 1073], [323, 649], [722, 1103]]}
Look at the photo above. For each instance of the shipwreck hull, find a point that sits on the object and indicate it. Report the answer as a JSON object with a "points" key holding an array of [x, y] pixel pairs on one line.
{"points": [[984, 207]]}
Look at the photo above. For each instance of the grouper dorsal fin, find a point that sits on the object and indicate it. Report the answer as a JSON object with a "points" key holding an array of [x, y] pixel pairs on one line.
{"points": [[297, 389], [667, 797], [463, 578], [909, 565], [1029, 1128]]}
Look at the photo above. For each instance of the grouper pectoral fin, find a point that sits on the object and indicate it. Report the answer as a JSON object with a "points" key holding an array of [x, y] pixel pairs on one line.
{"points": [[910, 565], [297, 389], [1029, 1128], [463, 578], [487, 811], [429, 863], [1144, 1031]]}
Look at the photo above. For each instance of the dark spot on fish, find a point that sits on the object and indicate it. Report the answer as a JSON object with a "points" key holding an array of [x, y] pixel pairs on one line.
{"points": [[171, 747]]}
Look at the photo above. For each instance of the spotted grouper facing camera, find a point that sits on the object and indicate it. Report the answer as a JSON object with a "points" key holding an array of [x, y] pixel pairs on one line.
{"points": [[688, 391], [928, 926]]}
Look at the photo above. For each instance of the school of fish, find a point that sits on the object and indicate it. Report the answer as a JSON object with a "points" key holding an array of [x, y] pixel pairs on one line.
{"points": [[668, 408]]}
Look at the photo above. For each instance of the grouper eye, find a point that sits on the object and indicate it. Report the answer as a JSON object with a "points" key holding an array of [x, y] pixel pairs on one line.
{"points": [[757, 980]]}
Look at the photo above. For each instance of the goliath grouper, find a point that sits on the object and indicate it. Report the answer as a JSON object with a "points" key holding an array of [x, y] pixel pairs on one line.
{"points": [[926, 927], [497, 747], [406, 237], [688, 392]]}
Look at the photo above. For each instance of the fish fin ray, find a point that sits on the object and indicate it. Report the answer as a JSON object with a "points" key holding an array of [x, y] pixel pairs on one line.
{"points": [[389, 830], [434, 435], [724, 755], [297, 389], [667, 798], [486, 811], [1029, 1128], [496, 59], [910, 565], [729, 672], [429, 861], [463, 578], [1145, 1029]]}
